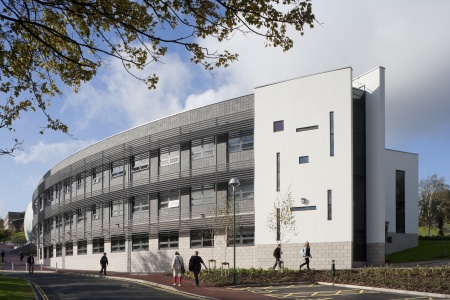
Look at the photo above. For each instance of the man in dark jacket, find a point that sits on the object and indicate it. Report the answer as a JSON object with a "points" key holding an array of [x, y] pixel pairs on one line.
{"points": [[277, 254], [30, 262], [3, 255], [103, 263], [195, 265]]}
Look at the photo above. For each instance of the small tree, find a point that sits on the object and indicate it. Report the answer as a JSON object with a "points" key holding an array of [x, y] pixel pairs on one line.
{"points": [[281, 219], [220, 222], [432, 202]]}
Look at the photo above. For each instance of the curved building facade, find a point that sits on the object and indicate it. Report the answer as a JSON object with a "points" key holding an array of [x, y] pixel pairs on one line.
{"points": [[162, 187]]}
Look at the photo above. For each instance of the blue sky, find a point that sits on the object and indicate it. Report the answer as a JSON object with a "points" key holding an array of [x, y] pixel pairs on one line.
{"points": [[411, 39]]}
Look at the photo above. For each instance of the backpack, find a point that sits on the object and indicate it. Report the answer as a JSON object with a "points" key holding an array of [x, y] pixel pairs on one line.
{"points": [[275, 253], [303, 252], [191, 264], [103, 259]]}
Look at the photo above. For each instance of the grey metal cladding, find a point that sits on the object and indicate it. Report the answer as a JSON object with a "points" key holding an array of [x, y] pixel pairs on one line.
{"points": [[212, 120]]}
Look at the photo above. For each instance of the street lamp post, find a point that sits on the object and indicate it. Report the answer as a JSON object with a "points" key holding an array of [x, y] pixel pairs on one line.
{"points": [[234, 182]]}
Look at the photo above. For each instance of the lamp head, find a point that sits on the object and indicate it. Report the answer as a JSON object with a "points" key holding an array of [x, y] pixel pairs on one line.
{"points": [[234, 182]]}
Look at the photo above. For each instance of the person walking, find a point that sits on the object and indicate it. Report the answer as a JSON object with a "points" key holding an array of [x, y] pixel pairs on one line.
{"points": [[21, 255], [103, 263], [277, 254], [177, 268], [195, 265], [3, 255], [306, 253], [30, 262]]}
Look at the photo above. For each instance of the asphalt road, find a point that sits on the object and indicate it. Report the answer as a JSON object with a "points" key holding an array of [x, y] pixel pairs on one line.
{"points": [[322, 292], [59, 286]]}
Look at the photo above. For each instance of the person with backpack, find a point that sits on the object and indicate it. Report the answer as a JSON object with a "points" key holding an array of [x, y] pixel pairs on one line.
{"points": [[305, 252], [195, 265], [3, 255], [277, 254], [177, 268], [103, 263]]}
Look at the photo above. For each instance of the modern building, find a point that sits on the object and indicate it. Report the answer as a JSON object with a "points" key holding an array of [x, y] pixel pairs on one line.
{"points": [[13, 220], [162, 187]]}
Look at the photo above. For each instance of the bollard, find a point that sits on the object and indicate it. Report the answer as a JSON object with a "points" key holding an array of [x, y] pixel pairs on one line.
{"points": [[56, 269], [12, 266], [41, 266], [26, 267], [333, 267]]}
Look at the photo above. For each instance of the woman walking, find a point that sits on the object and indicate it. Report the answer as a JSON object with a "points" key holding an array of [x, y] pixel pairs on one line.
{"points": [[177, 268], [306, 253]]}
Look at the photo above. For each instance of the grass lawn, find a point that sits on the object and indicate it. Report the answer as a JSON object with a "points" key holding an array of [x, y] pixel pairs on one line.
{"points": [[427, 250], [15, 288]]}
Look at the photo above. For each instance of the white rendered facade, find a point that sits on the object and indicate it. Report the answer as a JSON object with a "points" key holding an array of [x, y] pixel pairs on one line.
{"points": [[321, 136]]}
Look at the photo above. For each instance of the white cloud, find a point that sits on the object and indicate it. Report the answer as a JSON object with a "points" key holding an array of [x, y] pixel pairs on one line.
{"points": [[49, 153], [119, 98]]}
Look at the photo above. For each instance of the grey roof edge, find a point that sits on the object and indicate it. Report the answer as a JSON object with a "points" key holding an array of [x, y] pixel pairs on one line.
{"points": [[370, 71], [309, 75], [399, 151]]}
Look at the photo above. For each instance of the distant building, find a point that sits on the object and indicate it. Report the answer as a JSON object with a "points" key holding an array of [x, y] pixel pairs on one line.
{"points": [[144, 193], [13, 219]]}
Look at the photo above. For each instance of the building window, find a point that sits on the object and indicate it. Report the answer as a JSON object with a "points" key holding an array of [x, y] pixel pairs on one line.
{"points": [[169, 199], [79, 181], [67, 221], [202, 238], [97, 175], [117, 169], [202, 148], [332, 133], [50, 251], [140, 242], [140, 204], [80, 215], [67, 186], [245, 236], [244, 191], [117, 244], [169, 155], [303, 160], [98, 245], [329, 202], [240, 141], [400, 201], [140, 162], [95, 212], [168, 240], [278, 172], [278, 126], [203, 194], [117, 208], [307, 128], [58, 250], [69, 248], [82, 247]]}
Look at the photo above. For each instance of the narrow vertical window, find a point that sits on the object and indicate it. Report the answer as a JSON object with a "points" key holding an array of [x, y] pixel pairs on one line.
{"points": [[332, 133], [329, 200], [278, 171], [400, 201]]}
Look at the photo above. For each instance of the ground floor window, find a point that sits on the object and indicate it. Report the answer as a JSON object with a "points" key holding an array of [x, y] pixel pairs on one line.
{"points": [[82, 247], [69, 248], [245, 236], [168, 240], [202, 238], [117, 244], [98, 245], [50, 251], [140, 242], [58, 250]]}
